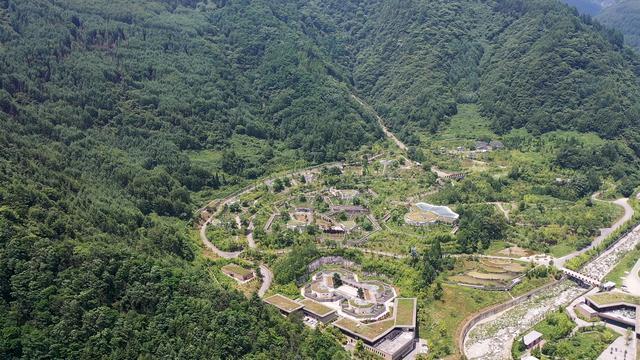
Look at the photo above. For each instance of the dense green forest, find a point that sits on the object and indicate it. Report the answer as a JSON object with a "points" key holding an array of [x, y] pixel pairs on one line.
{"points": [[533, 64], [101, 101]]}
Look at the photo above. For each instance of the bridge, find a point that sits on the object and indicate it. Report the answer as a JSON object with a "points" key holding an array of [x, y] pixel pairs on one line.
{"points": [[580, 277]]}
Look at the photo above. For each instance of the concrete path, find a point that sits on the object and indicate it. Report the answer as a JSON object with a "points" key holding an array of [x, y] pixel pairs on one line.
{"points": [[620, 349], [604, 233], [632, 280], [210, 246], [267, 278], [250, 240]]}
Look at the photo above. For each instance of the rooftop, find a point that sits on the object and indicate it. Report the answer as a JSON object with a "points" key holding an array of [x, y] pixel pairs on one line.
{"points": [[237, 269], [614, 297], [316, 308], [442, 211], [370, 332], [531, 337], [283, 303], [390, 346], [587, 308], [406, 312]]}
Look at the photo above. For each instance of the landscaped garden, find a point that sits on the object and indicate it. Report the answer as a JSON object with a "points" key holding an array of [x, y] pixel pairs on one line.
{"points": [[513, 203], [486, 272]]}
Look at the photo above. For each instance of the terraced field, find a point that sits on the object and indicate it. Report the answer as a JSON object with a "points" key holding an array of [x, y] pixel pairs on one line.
{"points": [[487, 272]]}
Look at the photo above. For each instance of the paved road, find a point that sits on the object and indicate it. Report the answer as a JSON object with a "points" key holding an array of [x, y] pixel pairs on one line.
{"points": [[267, 278], [376, 252], [604, 233], [210, 246], [632, 280], [250, 240], [386, 131]]}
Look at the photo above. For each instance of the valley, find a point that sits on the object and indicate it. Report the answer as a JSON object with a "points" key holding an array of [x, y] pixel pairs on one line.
{"points": [[348, 212], [331, 180]]}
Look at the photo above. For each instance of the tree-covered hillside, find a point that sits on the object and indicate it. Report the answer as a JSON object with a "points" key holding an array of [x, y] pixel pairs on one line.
{"points": [[533, 64], [102, 103], [99, 102], [622, 15]]}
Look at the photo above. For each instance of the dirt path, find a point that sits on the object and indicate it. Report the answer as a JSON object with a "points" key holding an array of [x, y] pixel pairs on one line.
{"points": [[386, 131], [501, 208]]}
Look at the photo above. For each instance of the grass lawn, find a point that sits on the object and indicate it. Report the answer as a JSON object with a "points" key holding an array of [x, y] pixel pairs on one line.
{"points": [[283, 302], [440, 320], [367, 331], [237, 269], [614, 297], [467, 125], [316, 307], [561, 249], [623, 267], [405, 311]]}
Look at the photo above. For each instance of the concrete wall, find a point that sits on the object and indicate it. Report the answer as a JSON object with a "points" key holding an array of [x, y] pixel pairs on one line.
{"points": [[478, 317]]}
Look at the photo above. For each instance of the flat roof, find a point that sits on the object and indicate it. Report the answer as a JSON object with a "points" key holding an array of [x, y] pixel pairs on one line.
{"points": [[370, 332], [587, 308], [613, 298], [405, 312], [316, 308], [237, 269], [531, 337], [283, 303], [392, 346]]}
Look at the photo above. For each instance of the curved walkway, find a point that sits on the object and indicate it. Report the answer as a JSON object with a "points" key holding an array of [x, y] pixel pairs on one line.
{"points": [[210, 246], [267, 279], [605, 232]]}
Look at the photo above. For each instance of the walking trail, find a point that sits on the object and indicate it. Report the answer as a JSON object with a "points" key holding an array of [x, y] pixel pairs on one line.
{"points": [[386, 131]]}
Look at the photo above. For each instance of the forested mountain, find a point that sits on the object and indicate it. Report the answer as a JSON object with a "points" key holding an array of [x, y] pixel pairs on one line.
{"points": [[589, 7], [624, 15], [100, 101], [532, 64]]}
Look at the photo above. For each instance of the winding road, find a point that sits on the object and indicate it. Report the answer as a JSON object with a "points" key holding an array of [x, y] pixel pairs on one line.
{"points": [[492, 337], [267, 279], [604, 233]]}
